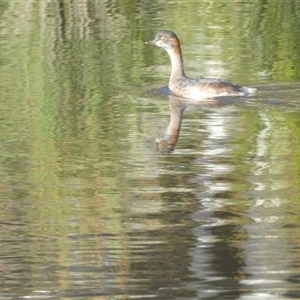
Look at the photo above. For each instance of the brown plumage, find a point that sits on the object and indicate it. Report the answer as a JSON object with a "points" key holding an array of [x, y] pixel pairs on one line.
{"points": [[193, 88]]}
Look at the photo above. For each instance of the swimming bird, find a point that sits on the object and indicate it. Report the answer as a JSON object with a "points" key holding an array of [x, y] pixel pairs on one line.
{"points": [[193, 88]]}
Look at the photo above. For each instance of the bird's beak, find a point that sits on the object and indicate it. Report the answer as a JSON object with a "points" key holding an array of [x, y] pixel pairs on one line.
{"points": [[153, 42]]}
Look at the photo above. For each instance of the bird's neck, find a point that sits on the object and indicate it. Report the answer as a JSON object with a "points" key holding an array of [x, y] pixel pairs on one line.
{"points": [[177, 70]]}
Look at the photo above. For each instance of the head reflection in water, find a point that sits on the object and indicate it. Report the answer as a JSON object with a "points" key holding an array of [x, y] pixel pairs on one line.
{"points": [[167, 143]]}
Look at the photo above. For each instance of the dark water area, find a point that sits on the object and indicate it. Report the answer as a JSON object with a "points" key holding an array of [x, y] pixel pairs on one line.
{"points": [[112, 189]]}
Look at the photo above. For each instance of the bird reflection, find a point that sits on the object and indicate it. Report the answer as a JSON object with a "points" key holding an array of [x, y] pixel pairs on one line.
{"points": [[167, 143]]}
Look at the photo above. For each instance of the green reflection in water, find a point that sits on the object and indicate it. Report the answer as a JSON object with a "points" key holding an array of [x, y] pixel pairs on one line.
{"points": [[68, 65], [73, 119]]}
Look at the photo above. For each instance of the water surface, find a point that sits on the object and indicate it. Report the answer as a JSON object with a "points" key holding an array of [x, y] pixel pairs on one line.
{"points": [[111, 189]]}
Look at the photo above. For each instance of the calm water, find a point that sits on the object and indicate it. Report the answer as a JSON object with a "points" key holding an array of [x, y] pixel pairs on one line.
{"points": [[111, 190]]}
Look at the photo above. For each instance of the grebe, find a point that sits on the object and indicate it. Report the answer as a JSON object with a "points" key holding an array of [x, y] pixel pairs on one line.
{"points": [[193, 88]]}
